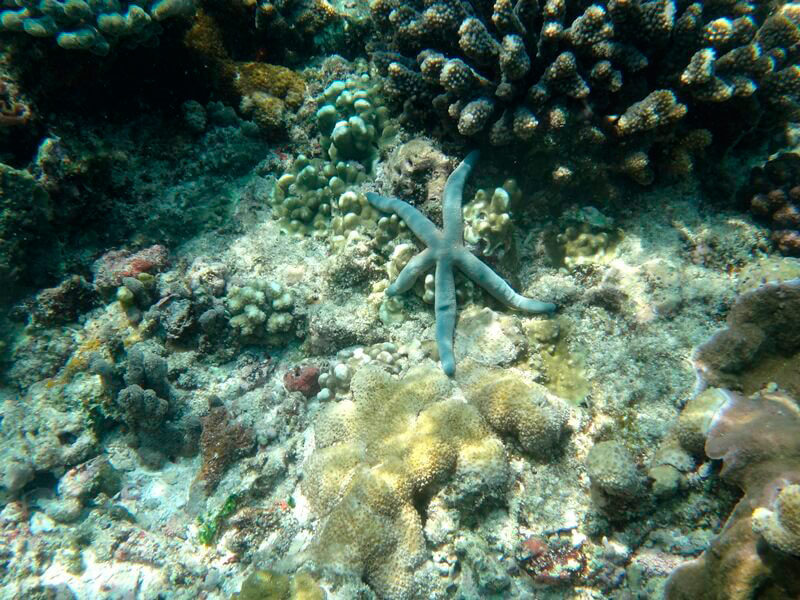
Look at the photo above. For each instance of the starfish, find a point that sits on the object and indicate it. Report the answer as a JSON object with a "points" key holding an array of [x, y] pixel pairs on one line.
{"points": [[446, 250]]}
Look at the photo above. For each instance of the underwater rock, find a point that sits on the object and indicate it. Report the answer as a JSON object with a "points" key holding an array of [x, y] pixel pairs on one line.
{"points": [[65, 302]]}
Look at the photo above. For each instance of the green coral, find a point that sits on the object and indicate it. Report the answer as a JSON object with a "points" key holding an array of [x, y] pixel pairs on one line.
{"points": [[208, 527], [260, 309]]}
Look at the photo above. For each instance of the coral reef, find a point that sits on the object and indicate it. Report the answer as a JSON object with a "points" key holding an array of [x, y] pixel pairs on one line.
{"points": [[773, 194], [316, 194], [583, 236], [383, 453], [94, 27], [614, 475], [760, 344], [514, 407], [268, 93], [611, 87], [445, 249], [260, 309], [756, 438], [25, 220], [222, 442], [353, 121]]}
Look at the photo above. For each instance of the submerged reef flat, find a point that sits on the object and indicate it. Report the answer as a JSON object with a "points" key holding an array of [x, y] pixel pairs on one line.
{"points": [[231, 369]]}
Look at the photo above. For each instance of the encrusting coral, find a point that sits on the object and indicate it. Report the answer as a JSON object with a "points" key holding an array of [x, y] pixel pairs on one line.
{"points": [[380, 456], [754, 433], [756, 438], [446, 250]]}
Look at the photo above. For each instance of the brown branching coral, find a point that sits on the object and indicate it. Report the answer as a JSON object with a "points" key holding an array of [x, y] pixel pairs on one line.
{"points": [[616, 79], [773, 194]]}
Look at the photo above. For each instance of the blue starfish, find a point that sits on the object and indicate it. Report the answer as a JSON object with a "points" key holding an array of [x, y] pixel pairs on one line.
{"points": [[446, 250]]}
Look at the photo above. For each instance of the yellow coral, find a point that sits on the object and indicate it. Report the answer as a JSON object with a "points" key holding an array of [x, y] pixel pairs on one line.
{"points": [[274, 80], [781, 527], [382, 453], [513, 406]]}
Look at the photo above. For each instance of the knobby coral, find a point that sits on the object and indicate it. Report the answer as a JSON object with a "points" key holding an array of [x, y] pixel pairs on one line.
{"points": [[446, 250]]}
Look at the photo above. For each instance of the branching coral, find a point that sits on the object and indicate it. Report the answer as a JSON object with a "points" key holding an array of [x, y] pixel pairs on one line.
{"points": [[608, 81], [93, 26], [773, 194]]}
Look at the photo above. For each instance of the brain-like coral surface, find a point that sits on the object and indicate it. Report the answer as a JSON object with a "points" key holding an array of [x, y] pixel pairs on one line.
{"points": [[380, 457]]}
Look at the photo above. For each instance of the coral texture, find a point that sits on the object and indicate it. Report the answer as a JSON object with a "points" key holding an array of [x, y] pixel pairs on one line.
{"points": [[446, 250], [763, 331], [757, 440], [93, 26], [623, 80], [773, 194], [379, 459]]}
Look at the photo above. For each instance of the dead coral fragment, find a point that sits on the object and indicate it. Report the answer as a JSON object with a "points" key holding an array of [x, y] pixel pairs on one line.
{"points": [[221, 444]]}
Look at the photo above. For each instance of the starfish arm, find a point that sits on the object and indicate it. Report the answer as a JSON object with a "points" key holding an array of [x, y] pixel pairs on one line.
{"points": [[452, 215], [481, 274], [418, 223], [413, 269], [445, 307]]}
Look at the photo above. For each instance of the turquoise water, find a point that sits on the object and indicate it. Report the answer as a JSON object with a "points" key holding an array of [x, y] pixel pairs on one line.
{"points": [[399, 300]]}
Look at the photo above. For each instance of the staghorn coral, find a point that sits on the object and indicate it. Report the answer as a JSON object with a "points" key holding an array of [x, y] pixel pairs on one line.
{"points": [[592, 85], [93, 26]]}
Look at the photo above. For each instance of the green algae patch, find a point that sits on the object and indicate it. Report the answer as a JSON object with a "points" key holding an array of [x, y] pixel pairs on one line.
{"points": [[565, 370]]}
